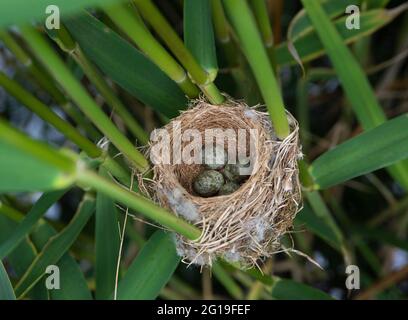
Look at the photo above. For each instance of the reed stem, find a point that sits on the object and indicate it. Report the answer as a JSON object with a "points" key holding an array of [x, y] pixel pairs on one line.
{"points": [[38, 150], [67, 43], [46, 82], [222, 33], [78, 94], [138, 33], [245, 27], [260, 10], [159, 23], [110, 97], [47, 115], [138, 203]]}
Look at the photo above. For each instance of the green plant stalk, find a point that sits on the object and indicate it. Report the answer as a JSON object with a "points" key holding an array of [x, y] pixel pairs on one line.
{"points": [[138, 203], [89, 179], [65, 78], [63, 38], [360, 93], [64, 127], [15, 48], [222, 33], [198, 35], [304, 175], [258, 288], [138, 33], [159, 23], [302, 113], [318, 205], [47, 115], [227, 281], [247, 281], [261, 16], [121, 174], [339, 54], [65, 41], [245, 27], [10, 212], [302, 108], [212, 93], [78, 117], [45, 81], [221, 27], [356, 239], [11, 136], [97, 79], [235, 61], [154, 17]]}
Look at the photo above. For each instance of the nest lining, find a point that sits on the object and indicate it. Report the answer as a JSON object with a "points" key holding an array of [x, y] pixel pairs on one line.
{"points": [[249, 223]]}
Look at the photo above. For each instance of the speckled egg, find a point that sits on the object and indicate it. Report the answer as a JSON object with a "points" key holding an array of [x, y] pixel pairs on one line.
{"points": [[232, 172], [208, 183], [228, 188]]}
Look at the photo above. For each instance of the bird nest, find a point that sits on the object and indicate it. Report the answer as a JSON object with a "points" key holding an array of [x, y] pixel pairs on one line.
{"points": [[249, 223]]}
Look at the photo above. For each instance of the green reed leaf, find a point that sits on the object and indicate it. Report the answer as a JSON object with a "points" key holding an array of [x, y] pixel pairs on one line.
{"points": [[372, 150], [20, 11], [106, 243], [32, 217], [309, 46], [56, 247], [199, 34], [151, 269], [6, 289], [126, 65], [284, 289], [28, 165]]}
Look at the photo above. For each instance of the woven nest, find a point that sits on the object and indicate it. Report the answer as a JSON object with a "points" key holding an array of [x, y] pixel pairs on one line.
{"points": [[249, 223]]}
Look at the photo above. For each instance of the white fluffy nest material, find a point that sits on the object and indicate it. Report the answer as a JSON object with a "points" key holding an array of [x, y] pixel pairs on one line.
{"points": [[248, 224]]}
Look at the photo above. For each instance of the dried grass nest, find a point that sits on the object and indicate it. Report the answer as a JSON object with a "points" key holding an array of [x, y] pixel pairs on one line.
{"points": [[248, 224]]}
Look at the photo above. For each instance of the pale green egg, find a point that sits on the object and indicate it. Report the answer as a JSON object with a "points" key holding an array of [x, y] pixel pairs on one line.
{"points": [[228, 188], [208, 183]]}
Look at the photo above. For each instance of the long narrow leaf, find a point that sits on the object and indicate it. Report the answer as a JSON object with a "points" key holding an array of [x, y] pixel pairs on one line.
{"points": [[106, 244], [333, 8], [19, 11], [151, 269], [138, 75], [318, 226], [22, 256], [32, 217], [375, 149], [56, 247], [28, 165], [354, 82], [284, 289], [56, 66], [6, 290], [309, 46], [227, 281], [199, 34], [245, 26], [72, 281]]}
